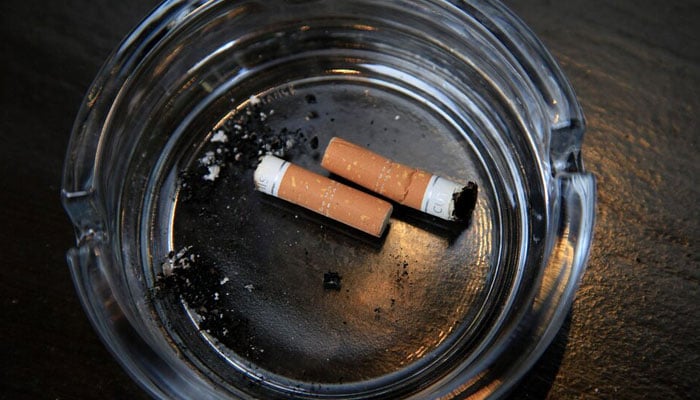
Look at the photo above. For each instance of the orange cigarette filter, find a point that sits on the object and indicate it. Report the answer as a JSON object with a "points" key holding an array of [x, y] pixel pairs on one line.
{"points": [[325, 196], [408, 186]]}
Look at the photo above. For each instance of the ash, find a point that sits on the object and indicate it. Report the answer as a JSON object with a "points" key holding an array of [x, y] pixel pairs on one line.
{"points": [[237, 145]]}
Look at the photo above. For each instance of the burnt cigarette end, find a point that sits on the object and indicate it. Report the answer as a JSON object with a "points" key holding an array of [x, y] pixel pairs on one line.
{"points": [[465, 201], [331, 281]]}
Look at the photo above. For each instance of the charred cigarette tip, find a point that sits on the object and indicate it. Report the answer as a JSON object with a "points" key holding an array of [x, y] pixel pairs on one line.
{"points": [[465, 202]]}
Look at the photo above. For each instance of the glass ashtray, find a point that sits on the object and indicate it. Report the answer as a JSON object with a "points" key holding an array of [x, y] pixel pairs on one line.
{"points": [[204, 288]]}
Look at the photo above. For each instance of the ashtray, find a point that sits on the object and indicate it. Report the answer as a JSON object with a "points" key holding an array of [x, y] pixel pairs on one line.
{"points": [[203, 287]]}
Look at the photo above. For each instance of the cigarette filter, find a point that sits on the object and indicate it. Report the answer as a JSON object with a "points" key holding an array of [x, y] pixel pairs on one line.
{"points": [[327, 197], [411, 187]]}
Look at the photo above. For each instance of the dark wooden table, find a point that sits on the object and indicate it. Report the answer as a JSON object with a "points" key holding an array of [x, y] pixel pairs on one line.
{"points": [[634, 330]]}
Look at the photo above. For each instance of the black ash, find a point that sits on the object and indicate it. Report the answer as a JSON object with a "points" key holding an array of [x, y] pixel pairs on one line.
{"points": [[232, 152], [237, 145], [465, 201], [331, 281], [188, 278], [313, 143]]}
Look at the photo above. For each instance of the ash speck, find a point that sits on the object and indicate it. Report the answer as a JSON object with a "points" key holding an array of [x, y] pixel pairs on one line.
{"points": [[331, 281], [314, 142], [220, 136], [254, 100], [214, 171]]}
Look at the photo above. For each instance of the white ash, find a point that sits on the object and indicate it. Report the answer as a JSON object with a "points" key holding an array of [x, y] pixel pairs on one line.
{"points": [[181, 259], [214, 171], [183, 252], [208, 158], [238, 143], [167, 268], [220, 136]]}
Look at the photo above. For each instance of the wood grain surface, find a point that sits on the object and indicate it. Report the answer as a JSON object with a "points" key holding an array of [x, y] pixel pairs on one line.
{"points": [[633, 330]]}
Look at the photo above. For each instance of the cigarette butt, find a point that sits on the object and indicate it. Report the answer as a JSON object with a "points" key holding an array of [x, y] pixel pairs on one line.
{"points": [[409, 186], [327, 197]]}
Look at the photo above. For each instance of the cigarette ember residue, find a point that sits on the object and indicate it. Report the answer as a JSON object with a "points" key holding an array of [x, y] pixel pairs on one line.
{"points": [[314, 142], [465, 201], [236, 146], [188, 278], [232, 151], [310, 99], [331, 281]]}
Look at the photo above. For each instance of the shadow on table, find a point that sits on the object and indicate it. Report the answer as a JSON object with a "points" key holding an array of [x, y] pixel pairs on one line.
{"points": [[536, 384]]}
